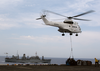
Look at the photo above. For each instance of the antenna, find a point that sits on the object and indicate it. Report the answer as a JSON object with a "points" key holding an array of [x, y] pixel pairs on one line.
{"points": [[17, 52]]}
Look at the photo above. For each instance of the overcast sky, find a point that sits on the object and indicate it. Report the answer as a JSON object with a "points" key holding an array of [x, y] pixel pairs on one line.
{"points": [[19, 29]]}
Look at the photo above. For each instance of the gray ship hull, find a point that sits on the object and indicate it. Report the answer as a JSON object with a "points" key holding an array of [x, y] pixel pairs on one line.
{"points": [[28, 60]]}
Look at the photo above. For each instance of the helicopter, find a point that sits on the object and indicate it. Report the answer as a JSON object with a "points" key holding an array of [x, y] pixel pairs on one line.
{"points": [[68, 25]]}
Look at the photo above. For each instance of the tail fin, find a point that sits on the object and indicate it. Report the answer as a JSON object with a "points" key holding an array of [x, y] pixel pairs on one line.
{"points": [[44, 19]]}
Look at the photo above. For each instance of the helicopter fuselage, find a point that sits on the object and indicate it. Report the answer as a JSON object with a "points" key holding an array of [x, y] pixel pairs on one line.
{"points": [[64, 27]]}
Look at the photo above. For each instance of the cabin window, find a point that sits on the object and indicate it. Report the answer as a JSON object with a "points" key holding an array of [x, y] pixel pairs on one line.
{"points": [[74, 26]]}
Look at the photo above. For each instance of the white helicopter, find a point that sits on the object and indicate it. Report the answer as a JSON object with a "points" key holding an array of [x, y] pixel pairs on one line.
{"points": [[68, 25]]}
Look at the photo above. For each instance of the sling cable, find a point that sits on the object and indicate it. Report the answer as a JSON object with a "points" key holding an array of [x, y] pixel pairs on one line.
{"points": [[71, 54]]}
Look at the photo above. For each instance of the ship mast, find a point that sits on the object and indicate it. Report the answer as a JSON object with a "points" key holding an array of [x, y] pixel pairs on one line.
{"points": [[17, 55], [6, 55], [36, 53]]}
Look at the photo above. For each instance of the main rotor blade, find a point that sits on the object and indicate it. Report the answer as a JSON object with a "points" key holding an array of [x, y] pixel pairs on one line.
{"points": [[84, 13], [57, 19], [81, 19], [55, 13]]}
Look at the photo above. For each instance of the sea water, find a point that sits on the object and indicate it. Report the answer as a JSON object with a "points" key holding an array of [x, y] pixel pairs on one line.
{"points": [[53, 60]]}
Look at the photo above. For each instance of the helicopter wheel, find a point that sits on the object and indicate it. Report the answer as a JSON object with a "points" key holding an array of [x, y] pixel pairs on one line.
{"points": [[76, 34], [70, 33], [63, 34]]}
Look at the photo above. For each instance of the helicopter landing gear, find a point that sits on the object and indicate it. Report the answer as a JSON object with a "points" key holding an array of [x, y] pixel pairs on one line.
{"points": [[63, 34], [70, 33], [76, 34]]}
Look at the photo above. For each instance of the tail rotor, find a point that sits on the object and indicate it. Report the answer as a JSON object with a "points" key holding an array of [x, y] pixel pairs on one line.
{"points": [[43, 14]]}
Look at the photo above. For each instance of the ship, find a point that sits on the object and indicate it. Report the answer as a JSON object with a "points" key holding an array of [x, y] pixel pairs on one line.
{"points": [[24, 59]]}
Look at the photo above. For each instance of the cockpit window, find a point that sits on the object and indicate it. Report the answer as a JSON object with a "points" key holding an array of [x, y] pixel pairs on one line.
{"points": [[69, 22], [79, 28]]}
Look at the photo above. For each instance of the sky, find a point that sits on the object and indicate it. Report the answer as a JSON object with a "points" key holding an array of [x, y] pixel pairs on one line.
{"points": [[20, 31]]}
